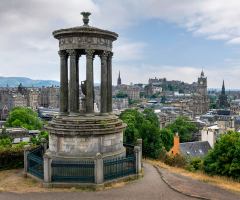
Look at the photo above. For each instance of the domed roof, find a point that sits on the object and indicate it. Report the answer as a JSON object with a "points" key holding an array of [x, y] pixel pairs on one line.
{"points": [[79, 30]]}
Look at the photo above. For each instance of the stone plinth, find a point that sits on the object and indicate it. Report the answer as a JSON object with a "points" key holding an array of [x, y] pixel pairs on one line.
{"points": [[82, 137]]}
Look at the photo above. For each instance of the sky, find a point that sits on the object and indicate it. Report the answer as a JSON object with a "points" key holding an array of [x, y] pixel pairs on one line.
{"points": [[157, 38]]}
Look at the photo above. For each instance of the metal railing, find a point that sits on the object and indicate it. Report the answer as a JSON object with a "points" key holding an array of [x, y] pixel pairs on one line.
{"points": [[35, 162], [129, 148], [119, 167], [73, 171]]}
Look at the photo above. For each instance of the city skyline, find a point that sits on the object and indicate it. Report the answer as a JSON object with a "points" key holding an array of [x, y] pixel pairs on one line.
{"points": [[156, 39]]}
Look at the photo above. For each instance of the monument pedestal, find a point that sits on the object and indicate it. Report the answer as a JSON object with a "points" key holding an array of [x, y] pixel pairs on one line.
{"points": [[81, 137]]}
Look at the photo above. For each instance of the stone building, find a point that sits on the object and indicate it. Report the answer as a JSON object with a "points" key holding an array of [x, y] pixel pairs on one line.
{"points": [[33, 99], [223, 98], [49, 97], [4, 112], [120, 103], [235, 106], [17, 100]]}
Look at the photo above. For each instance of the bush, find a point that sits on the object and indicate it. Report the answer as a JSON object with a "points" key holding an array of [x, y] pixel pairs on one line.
{"points": [[11, 158], [42, 134], [224, 159], [172, 160]]}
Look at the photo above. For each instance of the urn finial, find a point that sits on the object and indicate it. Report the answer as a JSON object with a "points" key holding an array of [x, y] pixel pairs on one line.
{"points": [[85, 18]]}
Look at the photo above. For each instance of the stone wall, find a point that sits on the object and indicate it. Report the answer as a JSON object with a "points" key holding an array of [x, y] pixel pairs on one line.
{"points": [[86, 144]]}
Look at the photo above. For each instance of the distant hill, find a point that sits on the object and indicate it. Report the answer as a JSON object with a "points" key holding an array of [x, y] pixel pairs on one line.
{"points": [[26, 82]]}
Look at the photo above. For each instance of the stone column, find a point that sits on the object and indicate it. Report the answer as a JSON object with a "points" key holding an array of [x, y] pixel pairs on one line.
{"points": [[104, 91], [89, 83], [139, 144], [98, 170], [44, 145], [109, 83], [77, 81], [63, 82], [26, 152], [73, 80], [138, 160], [47, 159]]}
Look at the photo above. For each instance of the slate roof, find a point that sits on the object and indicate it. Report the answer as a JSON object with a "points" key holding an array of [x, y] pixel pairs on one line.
{"points": [[195, 149]]}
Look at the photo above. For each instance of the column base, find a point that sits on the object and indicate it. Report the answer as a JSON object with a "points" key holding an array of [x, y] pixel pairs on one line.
{"points": [[104, 114], [71, 114], [110, 113], [63, 114], [90, 115]]}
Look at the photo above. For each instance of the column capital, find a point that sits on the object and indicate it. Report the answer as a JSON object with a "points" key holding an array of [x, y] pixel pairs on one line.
{"points": [[89, 53], [62, 54], [110, 55], [72, 52], [104, 55]]}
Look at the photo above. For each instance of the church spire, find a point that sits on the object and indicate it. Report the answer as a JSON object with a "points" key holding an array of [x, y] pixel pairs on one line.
{"points": [[223, 88], [119, 82]]}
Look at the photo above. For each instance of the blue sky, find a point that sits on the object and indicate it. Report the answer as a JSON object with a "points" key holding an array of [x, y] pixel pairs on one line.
{"points": [[157, 38]]}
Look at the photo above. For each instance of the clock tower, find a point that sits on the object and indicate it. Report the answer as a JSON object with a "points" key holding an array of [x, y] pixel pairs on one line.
{"points": [[202, 84]]}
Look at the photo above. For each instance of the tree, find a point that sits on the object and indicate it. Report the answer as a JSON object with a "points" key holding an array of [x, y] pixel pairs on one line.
{"points": [[151, 116], [141, 94], [181, 90], [183, 126], [4, 134], [224, 158], [133, 101], [163, 99], [167, 138], [154, 96], [42, 134], [24, 117], [143, 126], [121, 95], [151, 142], [182, 83]]}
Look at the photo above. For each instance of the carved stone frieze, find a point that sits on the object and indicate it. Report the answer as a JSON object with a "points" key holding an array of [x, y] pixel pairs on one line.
{"points": [[85, 40]]}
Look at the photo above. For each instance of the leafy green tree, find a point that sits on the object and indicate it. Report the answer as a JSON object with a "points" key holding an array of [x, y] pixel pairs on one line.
{"points": [[167, 138], [213, 106], [145, 126], [182, 83], [24, 117], [183, 126], [121, 95], [164, 86], [151, 116], [141, 94], [154, 96], [163, 99], [4, 134], [224, 159], [134, 101], [5, 143], [181, 90], [42, 134], [151, 142]]}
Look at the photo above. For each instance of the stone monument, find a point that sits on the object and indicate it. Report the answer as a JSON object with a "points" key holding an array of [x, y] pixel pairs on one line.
{"points": [[78, 134]]}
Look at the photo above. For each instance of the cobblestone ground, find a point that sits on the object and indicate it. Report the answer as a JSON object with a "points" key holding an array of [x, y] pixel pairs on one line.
{"points": [[150, 186]]}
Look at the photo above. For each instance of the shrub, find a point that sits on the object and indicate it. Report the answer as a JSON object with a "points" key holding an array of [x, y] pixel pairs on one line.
{"points": [[172, 160], [11, 158], [224, 158]]}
